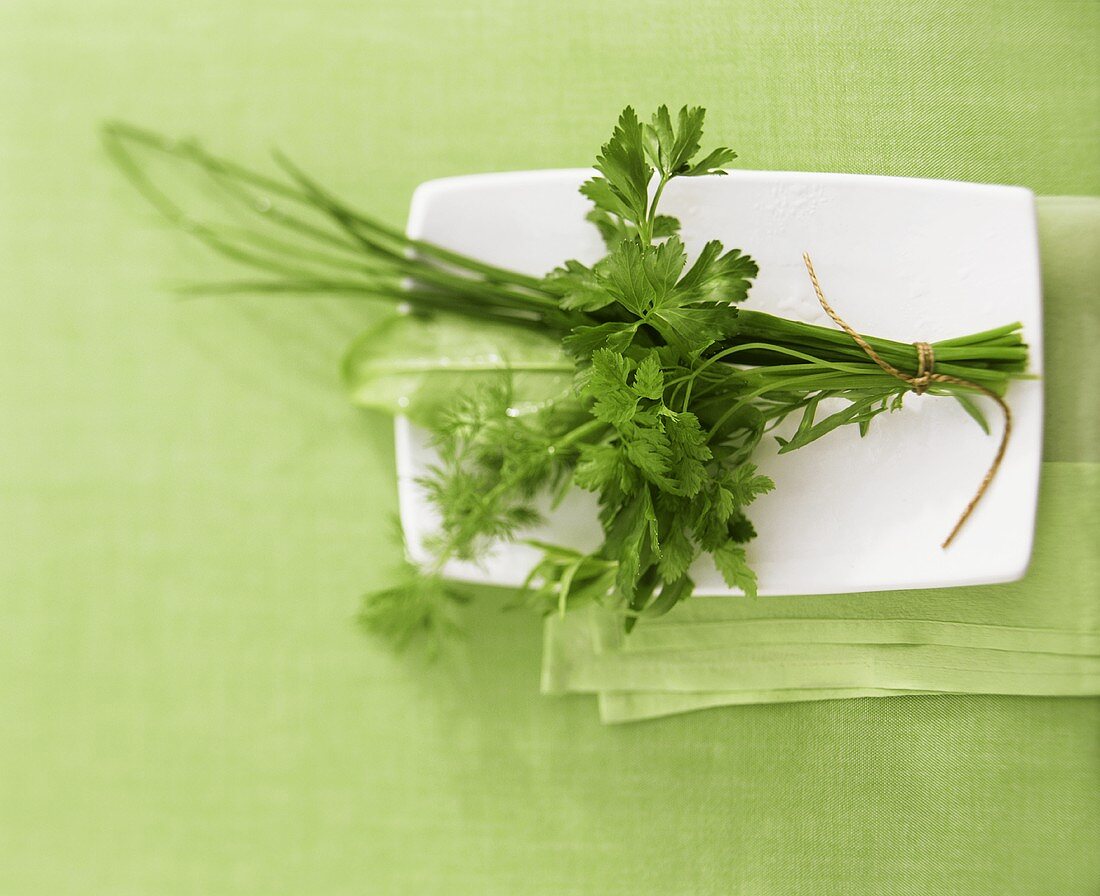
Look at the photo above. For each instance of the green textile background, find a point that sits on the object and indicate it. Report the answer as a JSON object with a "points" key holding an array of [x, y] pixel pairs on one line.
{"points": [[190, 507]]}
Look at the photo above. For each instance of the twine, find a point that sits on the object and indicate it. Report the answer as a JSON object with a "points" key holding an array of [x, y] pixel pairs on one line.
{"points": [[925, 377]]}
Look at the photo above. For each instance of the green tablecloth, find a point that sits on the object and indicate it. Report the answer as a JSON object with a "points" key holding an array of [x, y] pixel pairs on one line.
{"points": [[190, 507]]}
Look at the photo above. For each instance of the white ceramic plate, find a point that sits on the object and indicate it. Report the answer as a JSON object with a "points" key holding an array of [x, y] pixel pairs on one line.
{"points": [[900, 258]]}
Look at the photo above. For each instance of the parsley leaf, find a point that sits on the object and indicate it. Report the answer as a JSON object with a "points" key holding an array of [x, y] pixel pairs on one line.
{"points": [[604, 469], [715, 277], [677, 552], [669, 148], [613, 335], [649, 379], [730, 560], [631, 541], [578, 287], [689, 453], [624, 188], [713, 163], [615, 401], [614, 230], [672, 483], [746, 485]]}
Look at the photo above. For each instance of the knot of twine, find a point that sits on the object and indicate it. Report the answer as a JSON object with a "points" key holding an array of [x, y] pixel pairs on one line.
{"points": [[925, 377]]}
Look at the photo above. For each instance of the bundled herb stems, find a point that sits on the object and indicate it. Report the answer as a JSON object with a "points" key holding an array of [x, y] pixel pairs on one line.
{"points": [[649, 385]]}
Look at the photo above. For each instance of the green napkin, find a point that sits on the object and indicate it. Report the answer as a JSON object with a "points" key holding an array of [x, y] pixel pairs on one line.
{"points": [[1037, 636]]}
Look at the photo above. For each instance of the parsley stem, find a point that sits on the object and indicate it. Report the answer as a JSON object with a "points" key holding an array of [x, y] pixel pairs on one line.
{"points": [[575, 435], [646, 232]]}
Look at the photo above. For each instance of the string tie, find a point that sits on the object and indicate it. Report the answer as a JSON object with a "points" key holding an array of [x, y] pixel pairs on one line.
{"points": [[922, 381]]}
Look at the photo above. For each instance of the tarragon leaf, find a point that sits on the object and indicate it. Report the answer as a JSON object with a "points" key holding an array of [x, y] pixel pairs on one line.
{"points": [[858, 411]]}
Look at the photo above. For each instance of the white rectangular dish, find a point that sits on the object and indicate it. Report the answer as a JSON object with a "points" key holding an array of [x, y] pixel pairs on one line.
{"points": [[899, 258]]}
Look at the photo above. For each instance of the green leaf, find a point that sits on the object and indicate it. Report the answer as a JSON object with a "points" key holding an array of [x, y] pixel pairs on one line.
{"points": [[605, 382], [607, 199], [662, 265], [578, 287], [602, 468], [649, 450], [719, 278], [626, 276], [677, 554], [614, 229], [712, 163], [689, 453], [745, 424], [659, 137], [664, 226], [692, 330], [730, 561], [420, 606], [615, 336], [646, 281], [644, 277], [856, 412], [740, 528], [723, 501], [746, 485], [672, 592], [627, 540], [672, 148], [624, 188], [971, 407], [417, 366], [649, 379]]}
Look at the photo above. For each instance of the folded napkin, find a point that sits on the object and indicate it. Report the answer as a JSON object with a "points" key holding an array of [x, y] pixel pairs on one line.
{"points": [[1037, 636]]}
